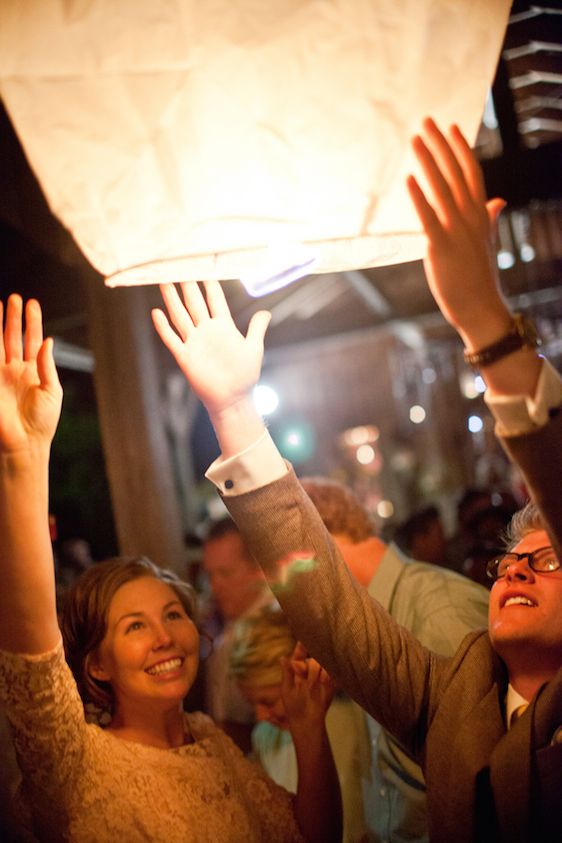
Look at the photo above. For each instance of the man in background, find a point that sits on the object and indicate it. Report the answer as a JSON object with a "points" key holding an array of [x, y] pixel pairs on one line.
{"points": [[239, 590]]}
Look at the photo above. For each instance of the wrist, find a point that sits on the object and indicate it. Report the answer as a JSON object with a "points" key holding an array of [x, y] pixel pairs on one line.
{"points": [[237, 426], [32, 459], [308, 729], [483, 332]]}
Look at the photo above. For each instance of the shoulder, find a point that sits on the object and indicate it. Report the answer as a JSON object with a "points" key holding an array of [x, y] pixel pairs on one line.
{"points": [[201, 725], [440, 585], [439, 606]]}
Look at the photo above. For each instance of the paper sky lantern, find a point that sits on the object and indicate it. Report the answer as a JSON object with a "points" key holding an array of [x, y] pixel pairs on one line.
{"points": [[225, 139]]}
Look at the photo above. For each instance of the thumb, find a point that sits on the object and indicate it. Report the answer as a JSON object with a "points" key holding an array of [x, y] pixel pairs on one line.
{"points": [[46, 369], [258, 326], [299, 652], [494, 208]]}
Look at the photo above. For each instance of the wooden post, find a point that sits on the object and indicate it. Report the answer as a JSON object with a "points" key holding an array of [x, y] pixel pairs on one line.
{"points": [[138, 460]]}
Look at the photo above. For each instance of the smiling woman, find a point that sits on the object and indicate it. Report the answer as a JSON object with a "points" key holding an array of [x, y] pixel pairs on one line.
{"points": [[89, 621], [132, 648]]}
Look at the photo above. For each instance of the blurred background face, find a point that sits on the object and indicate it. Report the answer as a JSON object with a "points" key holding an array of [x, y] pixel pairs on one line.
{"points": [[235, 581], [268, 704]]}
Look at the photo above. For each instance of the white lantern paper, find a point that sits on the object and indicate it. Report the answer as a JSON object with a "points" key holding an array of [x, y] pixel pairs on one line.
{"points": [[196, 139]]}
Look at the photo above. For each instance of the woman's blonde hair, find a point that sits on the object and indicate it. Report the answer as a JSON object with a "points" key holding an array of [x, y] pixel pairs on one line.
{"points": [[261, 641], [85, 610]]}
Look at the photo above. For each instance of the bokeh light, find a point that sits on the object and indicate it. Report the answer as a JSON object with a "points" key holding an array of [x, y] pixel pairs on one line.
{"points": [[417, 414], [265, 398]]}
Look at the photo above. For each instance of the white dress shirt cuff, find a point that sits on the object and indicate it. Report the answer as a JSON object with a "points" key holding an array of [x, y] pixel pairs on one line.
{"points": [[519, 414], [258, 465]]}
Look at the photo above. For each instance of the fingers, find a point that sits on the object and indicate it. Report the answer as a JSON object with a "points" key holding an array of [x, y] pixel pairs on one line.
{"points": [[179, 315], [46, 368], [300, 651], [494, 208], [2, 351], [216, 299], [12, 329], [314, 671], [14, 345], [326, 679], [195, 302], [426, 215], [258, 326], [445, 157], [442, 197], [453, 175], [166, 333], [33, 330], [470, 166]]}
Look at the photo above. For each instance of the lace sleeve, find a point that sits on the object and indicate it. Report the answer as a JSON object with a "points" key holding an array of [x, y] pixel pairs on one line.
{"points": [[270, 804], [46, 716]]}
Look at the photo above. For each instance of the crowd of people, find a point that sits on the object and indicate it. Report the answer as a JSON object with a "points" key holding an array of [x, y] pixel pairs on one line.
{"points": [[359, 694]]}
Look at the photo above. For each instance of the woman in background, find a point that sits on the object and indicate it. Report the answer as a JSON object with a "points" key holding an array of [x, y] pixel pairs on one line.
{"points": [[263, 645]]}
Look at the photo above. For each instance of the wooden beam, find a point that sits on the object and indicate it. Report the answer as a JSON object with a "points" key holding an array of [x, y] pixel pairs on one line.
{"points": [[526, 174]]}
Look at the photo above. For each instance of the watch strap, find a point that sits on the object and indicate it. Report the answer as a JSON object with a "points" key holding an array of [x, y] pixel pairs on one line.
{"points": [[522, 333]]}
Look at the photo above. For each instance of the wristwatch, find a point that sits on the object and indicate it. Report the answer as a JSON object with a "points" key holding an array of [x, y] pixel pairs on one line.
{"points": [[523, 332]]}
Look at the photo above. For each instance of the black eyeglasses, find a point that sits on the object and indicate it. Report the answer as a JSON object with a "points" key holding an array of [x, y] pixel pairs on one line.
{"points": [[543, 560]]}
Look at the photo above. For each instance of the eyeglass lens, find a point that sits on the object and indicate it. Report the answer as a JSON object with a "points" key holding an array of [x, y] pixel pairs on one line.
{"points": [[542, 560]]}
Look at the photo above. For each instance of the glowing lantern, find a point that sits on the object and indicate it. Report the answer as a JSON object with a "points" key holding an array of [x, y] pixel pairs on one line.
{"points": [[239, 139]]}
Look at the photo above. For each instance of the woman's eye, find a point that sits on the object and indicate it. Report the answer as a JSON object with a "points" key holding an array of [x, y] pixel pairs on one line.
{"points": [[134, 626], [175, 614]]}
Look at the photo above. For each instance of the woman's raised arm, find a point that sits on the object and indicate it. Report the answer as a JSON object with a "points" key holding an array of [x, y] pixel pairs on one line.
{"points": [[30, 402]]}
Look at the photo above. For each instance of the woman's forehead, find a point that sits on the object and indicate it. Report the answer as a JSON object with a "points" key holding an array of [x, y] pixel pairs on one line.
{"points": [[145, 591], [267, 693]]}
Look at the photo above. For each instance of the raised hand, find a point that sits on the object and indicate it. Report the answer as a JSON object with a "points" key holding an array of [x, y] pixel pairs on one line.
{"points": [[30, 391], [460, 226], [219, 362], [307, 691]]}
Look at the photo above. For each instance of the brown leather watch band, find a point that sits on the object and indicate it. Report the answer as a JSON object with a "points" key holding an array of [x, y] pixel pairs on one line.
{"points": [[522, 333]]}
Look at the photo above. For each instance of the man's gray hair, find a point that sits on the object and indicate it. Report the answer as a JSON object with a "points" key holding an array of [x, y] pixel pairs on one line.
{"points": [[525, 521]]}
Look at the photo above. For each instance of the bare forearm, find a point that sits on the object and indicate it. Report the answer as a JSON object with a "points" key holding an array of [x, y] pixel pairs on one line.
{"points": [[28, 621], [318, 800], [237, 427]]}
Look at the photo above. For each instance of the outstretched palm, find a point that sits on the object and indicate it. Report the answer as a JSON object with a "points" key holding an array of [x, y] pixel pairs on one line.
{"points": [[460, 226], [30, 392], [220, 363]]}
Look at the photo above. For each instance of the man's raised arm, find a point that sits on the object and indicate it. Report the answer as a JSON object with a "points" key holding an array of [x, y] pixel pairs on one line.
{"points": [[523, 391]]}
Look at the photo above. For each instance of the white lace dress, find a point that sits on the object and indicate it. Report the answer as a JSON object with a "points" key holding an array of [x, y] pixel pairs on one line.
{"points": [[84, 785]]}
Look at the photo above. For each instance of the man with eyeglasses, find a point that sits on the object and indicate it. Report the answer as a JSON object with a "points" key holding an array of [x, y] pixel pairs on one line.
{"points": [[525, 617], [488, 781]]}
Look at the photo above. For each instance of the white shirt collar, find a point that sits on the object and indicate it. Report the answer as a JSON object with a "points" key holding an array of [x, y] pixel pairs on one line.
{"points": [[513, 701]]}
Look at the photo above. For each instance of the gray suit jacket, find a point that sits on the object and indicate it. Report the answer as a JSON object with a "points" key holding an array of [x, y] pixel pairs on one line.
{"points": [[483, 783]]}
